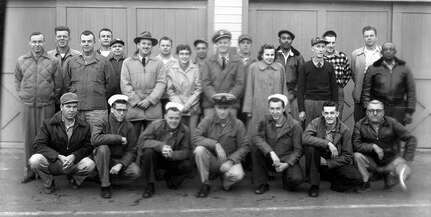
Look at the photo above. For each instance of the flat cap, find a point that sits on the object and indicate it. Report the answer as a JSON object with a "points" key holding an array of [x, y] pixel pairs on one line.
{"points": [[222, 33], [69, 98], [317, 40], [244, 37], [115, 41], [145, 35], [280, 97], [198, 41], [286, 31], [174, 105], [224, 99], [116, 97]]}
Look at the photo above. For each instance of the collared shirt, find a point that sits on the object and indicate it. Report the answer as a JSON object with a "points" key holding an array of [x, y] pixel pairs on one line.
{"points": [[390, 65], [371, 56], [220, 59], [290, 53], [341, 66], [244, 59], [169, 62], [68, 128], [63, 57], [316, 63]]}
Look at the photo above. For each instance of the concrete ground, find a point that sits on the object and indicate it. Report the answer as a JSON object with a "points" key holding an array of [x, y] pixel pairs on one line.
{"points": [[18, 199]]}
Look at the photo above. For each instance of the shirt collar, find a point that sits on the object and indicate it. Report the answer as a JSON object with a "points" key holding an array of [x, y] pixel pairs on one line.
{"points": [[290, 53], [226, 57], [263, 65], [336, 53], [64, 122], [317, 62]]}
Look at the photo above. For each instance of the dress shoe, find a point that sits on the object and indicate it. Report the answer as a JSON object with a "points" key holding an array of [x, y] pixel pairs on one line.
{"points": [[105, 192], [149, 191], [366, 186], [73, 184], [204, 191], [50, 189], [262, 188], [314, 191]]}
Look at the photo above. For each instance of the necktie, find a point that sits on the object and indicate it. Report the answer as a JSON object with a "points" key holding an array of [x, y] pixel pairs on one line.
{"points": [[223, 63], [143, 62], [319, 65]]}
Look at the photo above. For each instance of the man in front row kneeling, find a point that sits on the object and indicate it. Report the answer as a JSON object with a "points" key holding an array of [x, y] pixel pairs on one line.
{"points": [[277, 146], [166, 145], [221, 143], [328, 151], [62, 146], [114, 139]]}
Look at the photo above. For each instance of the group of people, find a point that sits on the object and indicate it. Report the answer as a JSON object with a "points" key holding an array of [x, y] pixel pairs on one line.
{"points": [[101, 113]]}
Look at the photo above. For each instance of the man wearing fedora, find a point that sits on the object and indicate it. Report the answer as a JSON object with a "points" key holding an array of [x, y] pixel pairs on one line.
{"points": [[221, 143], [62, 146], [166, 145], [117, 57], [143, 80], [291, 59], [222, 73], [115, 143]]}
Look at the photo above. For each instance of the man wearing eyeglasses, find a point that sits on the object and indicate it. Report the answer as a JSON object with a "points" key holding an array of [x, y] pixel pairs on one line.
{"points": [[115, 141], [391, 81], [377, 150], [328, 152]]}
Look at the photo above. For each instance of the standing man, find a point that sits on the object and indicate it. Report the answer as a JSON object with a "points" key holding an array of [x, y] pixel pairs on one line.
{"points": [[90, 76], [62, 52], [291, 59], [38, 82], [165, 45], [222, 73], [62, 146], [166, 145], [316, 83], [105, 37], [341, 66], [115, 145], [117, 58], [328, 151], [377, 150], [201, 47], [361, 59], [221, 143], [390, 81], [277, 146]]}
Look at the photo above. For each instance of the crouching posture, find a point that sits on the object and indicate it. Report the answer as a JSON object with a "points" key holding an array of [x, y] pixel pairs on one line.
{"points": [[166, 145], [328, 151], [62, 146], [277, 146], [376, 141], [115, 140], [221, 144]]}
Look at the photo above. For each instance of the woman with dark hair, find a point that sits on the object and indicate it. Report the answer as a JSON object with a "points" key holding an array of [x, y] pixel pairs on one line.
{"points": [[265, 78], [184, 86]]}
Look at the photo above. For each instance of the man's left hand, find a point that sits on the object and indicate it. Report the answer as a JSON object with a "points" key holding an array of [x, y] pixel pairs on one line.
{"points": [[281, 167], [115, 169], [226, 166]]}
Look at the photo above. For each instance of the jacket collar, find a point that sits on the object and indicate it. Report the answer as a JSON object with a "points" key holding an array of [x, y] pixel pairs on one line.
{"points": [[263, 65], [337, 127], [292, 49], [367, 121], [30, 55], [111, 56], [379, 62], [177, 66], [378, 48], [57, 119], [135, 56]]}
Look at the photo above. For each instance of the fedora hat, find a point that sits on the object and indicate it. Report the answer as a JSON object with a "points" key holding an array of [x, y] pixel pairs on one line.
{"points": [[145, 35]]}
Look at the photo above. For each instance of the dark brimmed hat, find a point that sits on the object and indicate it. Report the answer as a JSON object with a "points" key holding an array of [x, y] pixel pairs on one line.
{"points": [[69, 98], [145, 35], [198, 41], [116, 41], [286, 31], [244, 37], [317, 40], [224, 99], [222, 33]]}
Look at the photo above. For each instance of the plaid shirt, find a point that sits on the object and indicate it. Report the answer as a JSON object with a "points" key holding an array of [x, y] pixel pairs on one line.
{"points": [[342, 67]]}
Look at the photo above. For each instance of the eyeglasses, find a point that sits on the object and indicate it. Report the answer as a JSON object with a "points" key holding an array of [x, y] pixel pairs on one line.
{"points": [[183, 54], [375, 111]]}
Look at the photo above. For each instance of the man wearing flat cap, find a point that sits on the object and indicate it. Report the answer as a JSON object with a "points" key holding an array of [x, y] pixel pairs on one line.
{"points": [[291, 59], [166, 145], [277, 146], [117, 57], [115, 144], [220, 143], [62, 146], [143, 80], [222, 73], [201, 47], [316, 83]]}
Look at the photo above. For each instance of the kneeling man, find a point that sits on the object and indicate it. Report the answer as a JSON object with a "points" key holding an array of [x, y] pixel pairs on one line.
{"points": [[62, 146], [166, 145], [328, 151], [221, 143], [277, 146], [115, 141], [377, 148]]}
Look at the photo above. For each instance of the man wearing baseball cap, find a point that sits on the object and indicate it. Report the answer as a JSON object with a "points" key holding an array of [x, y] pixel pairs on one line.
{"points": [[117, 57], [166, 145], [222, 73], [201, 47], [277, 146], [115, 143], [62, 146], [316, 83], [221, 143]]}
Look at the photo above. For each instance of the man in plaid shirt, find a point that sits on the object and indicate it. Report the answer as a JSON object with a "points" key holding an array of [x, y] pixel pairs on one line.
{"points": [[341, 65]]}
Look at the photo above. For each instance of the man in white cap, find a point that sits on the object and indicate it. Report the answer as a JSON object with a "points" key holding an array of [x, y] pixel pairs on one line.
{"points": [[62, 146], [277, 146], [115, 141], [166, 145], [221, 143]]}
